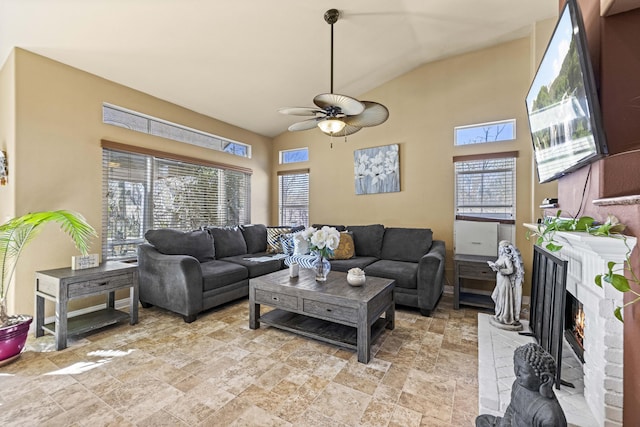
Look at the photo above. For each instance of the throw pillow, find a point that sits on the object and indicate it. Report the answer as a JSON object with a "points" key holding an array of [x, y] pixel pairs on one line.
{"points": [[346, 248], [273, 239], [286, 241], [229, 241], [255, 235], [197, 244], [300, 245], [406, 244], [367, 239]]}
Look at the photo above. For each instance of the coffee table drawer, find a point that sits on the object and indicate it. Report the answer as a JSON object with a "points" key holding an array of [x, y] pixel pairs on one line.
{"points": [[276, 299], [330, 311]]}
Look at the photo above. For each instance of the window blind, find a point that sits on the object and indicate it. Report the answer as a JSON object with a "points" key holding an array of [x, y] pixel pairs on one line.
{"points": [[293, 205], [486, 189], [143, 192]]}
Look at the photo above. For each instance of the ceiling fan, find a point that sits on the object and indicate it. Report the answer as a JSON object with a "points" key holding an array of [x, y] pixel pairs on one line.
{"points": [[335, 114]]}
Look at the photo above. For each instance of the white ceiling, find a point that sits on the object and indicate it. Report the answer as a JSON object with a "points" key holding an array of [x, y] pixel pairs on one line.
{"points": [[241, 60]]}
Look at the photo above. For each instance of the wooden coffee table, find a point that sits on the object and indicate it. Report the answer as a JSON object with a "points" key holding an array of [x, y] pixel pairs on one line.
{"points": [[333, 311]]}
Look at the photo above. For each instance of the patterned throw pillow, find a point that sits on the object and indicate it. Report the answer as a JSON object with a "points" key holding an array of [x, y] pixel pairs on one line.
{"points": [[286, 241], [273, 239], [346, 248]]}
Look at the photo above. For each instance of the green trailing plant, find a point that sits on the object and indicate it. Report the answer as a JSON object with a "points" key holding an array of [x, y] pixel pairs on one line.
{"points": [[16, 233], [614, 275]]}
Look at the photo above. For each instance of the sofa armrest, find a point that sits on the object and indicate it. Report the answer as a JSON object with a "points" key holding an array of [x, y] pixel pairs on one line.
{"points": [[173, 282], [431, 275]]}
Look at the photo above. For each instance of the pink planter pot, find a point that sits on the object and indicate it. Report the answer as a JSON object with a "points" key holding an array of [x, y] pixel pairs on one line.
{"points": [[13, 338]]}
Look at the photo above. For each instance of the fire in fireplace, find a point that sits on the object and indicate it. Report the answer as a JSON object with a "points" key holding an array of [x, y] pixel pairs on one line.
{"points": [[574, 325]]}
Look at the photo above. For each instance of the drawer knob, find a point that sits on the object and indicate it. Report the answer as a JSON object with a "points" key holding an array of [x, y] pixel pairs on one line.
{"points": [[275, 298]]}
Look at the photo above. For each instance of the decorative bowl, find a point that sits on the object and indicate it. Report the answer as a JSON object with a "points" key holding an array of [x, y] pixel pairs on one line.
{"points": [[356, 277]]}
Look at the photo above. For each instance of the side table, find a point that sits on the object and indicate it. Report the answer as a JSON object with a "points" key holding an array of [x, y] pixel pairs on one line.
{"points": [[64, 284], [472, 267]]}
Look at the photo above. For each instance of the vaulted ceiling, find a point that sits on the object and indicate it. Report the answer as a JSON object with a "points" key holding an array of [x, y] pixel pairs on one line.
{"points": [[241, 60]]}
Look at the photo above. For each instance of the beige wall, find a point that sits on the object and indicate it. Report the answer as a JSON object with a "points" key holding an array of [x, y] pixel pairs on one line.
{"points": [[58, 158], [425, 105], [7, 141]]}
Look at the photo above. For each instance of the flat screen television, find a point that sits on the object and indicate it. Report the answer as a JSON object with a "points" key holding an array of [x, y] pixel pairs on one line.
{"points": [[562, 103]]}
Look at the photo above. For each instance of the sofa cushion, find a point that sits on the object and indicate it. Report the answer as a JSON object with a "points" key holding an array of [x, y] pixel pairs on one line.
{"points": [[367, 239], [197, 244], [255, 236], [345, 265], [345, 249], [216, 274], [259, 267], [404, 273], [228, 241], [406, 244]]}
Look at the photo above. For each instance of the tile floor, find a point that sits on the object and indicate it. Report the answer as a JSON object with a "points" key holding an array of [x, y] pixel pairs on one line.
{"points": [[218, 372], [496, 376]]}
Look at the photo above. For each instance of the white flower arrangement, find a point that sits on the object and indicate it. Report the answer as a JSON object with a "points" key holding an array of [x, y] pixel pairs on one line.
{"points": [[323, 241]]}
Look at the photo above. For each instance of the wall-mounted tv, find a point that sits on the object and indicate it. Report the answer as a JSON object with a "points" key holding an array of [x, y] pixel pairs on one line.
{"points": [[562, 103]]}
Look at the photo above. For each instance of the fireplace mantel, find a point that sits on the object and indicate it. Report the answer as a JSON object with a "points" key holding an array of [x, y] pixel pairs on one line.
{"points": [[608, 247]]}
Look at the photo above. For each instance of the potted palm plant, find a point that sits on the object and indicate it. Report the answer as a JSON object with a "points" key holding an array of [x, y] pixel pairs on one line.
{"points": [[15, 234]]}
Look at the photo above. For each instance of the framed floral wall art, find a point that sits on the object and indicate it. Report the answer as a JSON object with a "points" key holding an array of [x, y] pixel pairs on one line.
{"points": [[377, 169]]}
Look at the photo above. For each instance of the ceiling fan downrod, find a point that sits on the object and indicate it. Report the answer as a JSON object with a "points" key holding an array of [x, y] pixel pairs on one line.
{"points": [[331, 17]]}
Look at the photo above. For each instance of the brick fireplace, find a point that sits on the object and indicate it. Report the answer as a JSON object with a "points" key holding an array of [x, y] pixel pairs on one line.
{"points": [[588, 256], [597, 399]]}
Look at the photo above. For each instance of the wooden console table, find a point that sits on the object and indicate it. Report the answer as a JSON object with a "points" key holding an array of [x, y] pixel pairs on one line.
{"points": [[472, 267], [64, 284]]}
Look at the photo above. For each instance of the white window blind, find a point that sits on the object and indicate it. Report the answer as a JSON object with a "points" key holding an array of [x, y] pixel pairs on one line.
{"points": [[142, 192], [485, 189], [293, 205]]}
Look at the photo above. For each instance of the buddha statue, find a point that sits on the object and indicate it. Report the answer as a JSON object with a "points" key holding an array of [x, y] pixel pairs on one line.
{"points": [[533, 402]]}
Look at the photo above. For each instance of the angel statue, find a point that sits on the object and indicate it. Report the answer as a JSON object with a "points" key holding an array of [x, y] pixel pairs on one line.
{"points": [[507, 294]]}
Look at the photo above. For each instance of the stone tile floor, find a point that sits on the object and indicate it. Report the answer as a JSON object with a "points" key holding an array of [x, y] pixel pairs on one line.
{"points": [[218, 372], [496, 376]]}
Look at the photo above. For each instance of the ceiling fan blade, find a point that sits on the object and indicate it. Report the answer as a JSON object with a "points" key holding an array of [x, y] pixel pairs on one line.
{"points": [[349, 106], [304, 125], [347, 130], [374, 114], [300, 111]]}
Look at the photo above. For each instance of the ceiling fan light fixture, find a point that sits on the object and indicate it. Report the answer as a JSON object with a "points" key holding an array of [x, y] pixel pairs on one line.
{"points": [[337, 114], [331, 125]]}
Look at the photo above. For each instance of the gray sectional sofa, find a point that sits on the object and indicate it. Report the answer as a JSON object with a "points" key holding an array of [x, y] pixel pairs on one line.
{"points": [[189, 272]]}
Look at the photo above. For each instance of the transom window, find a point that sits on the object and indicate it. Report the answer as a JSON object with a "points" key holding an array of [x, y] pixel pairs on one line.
{"points": [[294, 156], [485, 187], [139, 122], [144, 191], [504, 130]]}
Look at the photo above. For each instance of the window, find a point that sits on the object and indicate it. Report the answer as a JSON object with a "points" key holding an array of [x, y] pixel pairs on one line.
{"points": [[485, 187], [293, 190], [294, 156], [504, 130], [139, 122], [142, 191]]}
